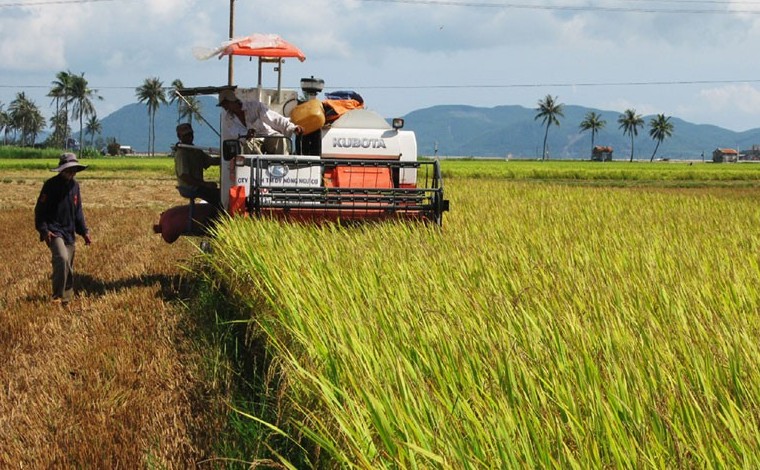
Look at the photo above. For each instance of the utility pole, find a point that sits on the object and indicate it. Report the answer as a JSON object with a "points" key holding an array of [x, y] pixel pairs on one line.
{"points": [[232, 33]]}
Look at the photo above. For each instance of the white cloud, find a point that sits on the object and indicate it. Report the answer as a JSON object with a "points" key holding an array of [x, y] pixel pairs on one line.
{"points": [[441, 52], [735, 97], [34, 40]]}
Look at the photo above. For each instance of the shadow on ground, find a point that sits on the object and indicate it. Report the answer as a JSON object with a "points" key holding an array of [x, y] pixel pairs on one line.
{"points": [[172, 287]]}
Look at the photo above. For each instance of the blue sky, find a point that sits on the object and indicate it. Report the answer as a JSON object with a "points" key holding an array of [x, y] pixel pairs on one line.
{"points": [[695, 60]]}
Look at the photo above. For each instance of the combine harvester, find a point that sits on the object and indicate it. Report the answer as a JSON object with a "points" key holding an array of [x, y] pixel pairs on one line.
{"points": [[349, 164]]}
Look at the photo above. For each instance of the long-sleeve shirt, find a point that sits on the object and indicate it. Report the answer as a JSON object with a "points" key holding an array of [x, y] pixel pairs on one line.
{"points": [[258, 117], [190, 162], [59, 210]]}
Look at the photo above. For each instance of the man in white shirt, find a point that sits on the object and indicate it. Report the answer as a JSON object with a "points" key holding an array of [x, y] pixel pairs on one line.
{"points": [[257, 123]]}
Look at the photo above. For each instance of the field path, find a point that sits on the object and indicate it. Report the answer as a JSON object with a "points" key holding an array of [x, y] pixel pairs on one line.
{"points": [[111, 381]]}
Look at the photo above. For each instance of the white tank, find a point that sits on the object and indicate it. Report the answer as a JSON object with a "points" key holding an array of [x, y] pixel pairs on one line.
{"points": [[365, 134]]}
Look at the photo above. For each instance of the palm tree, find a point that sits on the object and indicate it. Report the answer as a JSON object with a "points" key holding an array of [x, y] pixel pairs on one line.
{"points": [[93, 127], [60, 94], [191, 109], [176, 85], [548, 110], [4, 122], [60, 127], [660, 128], [630, 122], [26, 117], [592, 122], [151, 92], [81, 96]]}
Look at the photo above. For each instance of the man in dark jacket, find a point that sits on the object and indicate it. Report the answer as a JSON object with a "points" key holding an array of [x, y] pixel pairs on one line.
{"points": [[58, 217]]}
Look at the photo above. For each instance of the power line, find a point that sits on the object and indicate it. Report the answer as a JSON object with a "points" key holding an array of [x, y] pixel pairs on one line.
{"points": [[50, 2], [525, 6], [474, 86], [559, 85], [518, 6]]}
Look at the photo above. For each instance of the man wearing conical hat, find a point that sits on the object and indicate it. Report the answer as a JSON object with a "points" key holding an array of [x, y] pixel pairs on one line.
{"points": [[58, 217]]}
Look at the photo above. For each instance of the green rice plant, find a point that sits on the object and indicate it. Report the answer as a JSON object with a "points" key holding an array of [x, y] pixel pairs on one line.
{"points": [[108, 167], [589, 172], [11, 151], [545, 325]]}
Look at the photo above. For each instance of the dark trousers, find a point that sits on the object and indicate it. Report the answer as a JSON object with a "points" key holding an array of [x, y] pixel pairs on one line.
{"points": [[63, 269], [210, 195]]}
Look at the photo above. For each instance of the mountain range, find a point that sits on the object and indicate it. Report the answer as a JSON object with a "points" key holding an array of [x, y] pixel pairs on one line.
{"points": [[508, 131]]}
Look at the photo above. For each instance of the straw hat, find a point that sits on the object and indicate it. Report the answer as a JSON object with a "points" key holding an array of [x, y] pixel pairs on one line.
{"points": [[227, 95], [69, 160]]}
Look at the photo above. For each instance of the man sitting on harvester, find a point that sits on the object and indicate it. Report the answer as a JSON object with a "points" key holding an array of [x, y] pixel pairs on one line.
{"points": [[265, 130], [189, 163]]}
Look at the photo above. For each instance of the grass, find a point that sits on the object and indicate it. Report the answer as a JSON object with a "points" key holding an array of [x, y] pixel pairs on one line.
{"points": [[622, 174], [30, 153], [109, 168], [615, 173], [545, 326]]}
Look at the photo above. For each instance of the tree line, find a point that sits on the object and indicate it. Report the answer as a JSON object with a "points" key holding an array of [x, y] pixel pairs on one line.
{"points": [[153, 94], [549, 110], [73, 101], [23, 121]]}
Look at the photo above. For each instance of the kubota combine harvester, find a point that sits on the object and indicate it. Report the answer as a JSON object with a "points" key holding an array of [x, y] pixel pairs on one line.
{"points": [[350, 164]]}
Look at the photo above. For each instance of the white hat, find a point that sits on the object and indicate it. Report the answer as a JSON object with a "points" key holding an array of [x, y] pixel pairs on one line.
{"points": [[227, 95], [69, 160]]}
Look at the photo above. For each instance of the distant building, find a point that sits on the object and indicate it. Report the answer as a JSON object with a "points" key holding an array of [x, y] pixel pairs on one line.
{"points": [[725, 155], [752, 154], [601, 154]]}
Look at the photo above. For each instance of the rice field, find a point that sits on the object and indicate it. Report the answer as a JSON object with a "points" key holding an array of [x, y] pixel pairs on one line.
{"points": [[568, 315], [547, 325], [118, 379]]}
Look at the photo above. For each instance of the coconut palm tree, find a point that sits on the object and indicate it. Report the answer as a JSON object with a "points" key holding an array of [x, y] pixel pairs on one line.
{"points": [[660, 128], [548, 110], [60, 127], [592, 122], [4, 122], [192, 109], [630, 122], [60, 93], [152, 93], [93, 127], [81, 99], [26, 117], [176, 85]]}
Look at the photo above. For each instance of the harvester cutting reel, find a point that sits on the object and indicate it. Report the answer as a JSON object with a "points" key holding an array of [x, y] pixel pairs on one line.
{"points": [[311, 188]]}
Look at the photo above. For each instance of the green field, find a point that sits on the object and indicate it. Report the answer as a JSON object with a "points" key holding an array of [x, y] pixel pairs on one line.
{"points": [[617, 173], [548, 324]]}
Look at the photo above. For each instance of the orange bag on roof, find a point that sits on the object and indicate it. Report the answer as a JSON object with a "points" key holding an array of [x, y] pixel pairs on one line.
{"points": [[337, 108]]}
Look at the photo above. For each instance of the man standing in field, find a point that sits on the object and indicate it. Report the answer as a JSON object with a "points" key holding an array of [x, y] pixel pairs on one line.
{"points": [[58, 217], [189, 163]]}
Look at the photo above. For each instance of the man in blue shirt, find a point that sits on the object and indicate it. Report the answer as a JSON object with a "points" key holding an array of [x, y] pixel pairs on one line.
{"points": [[58, 217]]}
